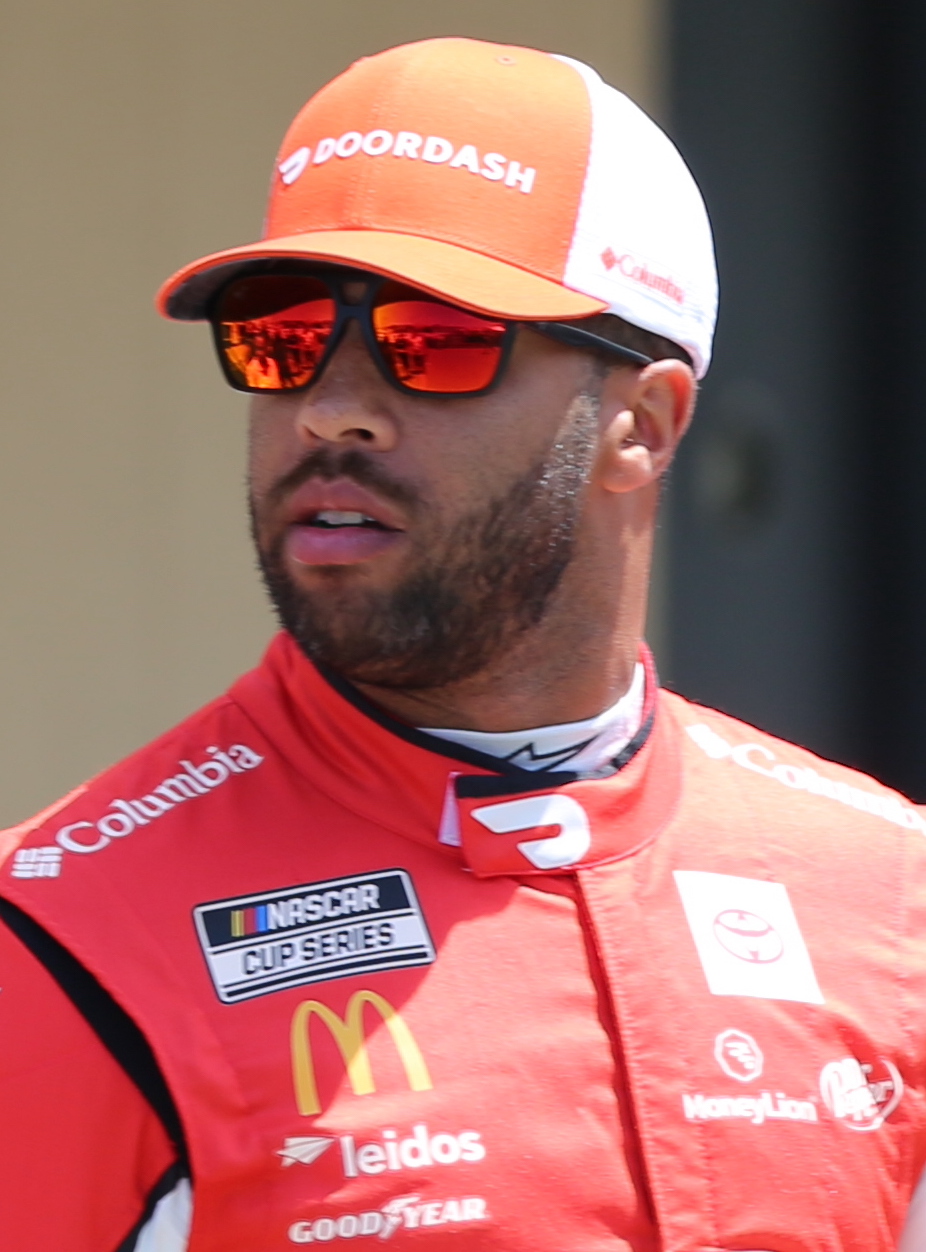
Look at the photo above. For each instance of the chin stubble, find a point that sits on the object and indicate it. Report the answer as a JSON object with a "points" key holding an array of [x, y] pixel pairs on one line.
{"points": [[477, 587]]}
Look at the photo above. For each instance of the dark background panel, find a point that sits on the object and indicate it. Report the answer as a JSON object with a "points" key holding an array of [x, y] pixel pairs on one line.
{"points": [[890, 80], [797, 576]]}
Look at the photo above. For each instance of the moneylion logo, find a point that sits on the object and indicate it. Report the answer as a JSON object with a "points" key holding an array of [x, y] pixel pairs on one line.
{"points": [[738, 1055], [756, 1109], [348, 1034]]}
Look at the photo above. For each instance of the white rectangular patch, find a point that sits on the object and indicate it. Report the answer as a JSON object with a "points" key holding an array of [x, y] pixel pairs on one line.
{"points": [[313, 932], [747, 937]]}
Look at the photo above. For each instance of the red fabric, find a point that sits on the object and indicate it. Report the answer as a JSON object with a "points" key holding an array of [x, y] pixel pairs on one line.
{"points": [[80, 1149], [565, 1034]]}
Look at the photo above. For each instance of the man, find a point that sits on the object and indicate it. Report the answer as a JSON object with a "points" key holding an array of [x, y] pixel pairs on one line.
{"points": [[445, 925]]}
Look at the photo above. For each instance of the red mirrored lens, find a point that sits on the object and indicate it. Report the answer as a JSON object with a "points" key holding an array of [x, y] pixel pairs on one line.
{"points": [[431, 346], [273, 330]]}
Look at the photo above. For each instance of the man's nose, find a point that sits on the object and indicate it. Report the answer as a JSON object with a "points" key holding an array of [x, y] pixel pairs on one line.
{"points": [[350, 402]]}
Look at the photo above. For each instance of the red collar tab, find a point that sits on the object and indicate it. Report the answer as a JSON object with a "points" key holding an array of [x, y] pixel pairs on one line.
{"points": [[508, 830], [397, 778]]}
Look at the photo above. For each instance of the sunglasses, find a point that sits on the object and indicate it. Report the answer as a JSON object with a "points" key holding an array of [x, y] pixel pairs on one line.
{"points": [[277, 332]]}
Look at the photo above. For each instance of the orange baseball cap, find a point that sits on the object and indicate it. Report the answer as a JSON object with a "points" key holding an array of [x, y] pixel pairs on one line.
{"points": [[511, 181]]}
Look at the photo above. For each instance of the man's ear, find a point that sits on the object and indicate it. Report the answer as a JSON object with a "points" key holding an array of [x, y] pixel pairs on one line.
{"points": [[643, 422]]}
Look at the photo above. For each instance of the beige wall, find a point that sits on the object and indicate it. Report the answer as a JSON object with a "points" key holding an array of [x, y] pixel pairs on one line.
{"points": [[136, 135]]}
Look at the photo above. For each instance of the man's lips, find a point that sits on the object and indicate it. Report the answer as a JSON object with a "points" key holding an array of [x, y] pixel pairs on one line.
{"points": [[341, 495], [325, 527]]}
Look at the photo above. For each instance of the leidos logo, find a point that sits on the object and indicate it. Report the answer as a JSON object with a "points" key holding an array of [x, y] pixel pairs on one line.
{"points": [[392, 1154], [348, 1034], [303, 1149]]}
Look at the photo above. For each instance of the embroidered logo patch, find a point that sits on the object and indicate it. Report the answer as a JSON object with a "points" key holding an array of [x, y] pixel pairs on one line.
{"points": [[315, 932], [747, 937]]}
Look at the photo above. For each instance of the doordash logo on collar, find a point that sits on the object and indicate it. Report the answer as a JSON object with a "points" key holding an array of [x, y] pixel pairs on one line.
{"points": [[528, 812], [126, 816]]}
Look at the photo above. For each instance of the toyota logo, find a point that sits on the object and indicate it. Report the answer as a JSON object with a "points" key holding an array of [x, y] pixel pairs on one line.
{"points": [[748, 936]]}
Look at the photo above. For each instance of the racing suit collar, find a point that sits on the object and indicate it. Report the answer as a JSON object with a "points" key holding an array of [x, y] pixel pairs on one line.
{"points": [[409, 782]]}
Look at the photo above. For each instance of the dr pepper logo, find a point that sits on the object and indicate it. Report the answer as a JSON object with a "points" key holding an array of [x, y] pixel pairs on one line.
{"points": [[861, 1095]]}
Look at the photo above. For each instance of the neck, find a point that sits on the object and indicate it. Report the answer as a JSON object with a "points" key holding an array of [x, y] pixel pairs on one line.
{"points": [[572, 666]]}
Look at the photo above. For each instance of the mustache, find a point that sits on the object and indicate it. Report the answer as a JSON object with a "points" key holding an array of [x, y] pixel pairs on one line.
{"points": [[327, 465]]}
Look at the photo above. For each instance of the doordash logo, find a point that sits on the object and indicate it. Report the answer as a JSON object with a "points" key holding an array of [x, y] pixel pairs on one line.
{"points": [[529, 812], [409, 145]]}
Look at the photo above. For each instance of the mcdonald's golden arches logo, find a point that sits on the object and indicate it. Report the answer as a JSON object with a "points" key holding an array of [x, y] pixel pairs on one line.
{"points": [[348, 1034]]}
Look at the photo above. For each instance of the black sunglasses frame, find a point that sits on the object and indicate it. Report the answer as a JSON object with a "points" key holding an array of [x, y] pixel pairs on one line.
{"points": [[362, 312]]}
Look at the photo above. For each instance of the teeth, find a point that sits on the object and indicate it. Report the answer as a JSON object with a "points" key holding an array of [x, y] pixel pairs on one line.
{"points": [[335, 517]]}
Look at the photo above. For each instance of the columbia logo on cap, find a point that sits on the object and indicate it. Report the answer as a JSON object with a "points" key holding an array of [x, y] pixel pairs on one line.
{"points": [[638, 271]]}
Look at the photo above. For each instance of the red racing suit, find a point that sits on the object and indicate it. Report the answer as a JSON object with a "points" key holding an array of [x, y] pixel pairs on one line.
{"points": [[368, 986]]}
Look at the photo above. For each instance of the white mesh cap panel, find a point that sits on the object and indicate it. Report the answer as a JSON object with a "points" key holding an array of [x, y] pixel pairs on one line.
{"points": [[642, 240]]}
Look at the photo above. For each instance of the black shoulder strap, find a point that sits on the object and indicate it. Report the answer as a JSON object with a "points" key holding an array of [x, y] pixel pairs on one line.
{"points": [[116, 1030]]}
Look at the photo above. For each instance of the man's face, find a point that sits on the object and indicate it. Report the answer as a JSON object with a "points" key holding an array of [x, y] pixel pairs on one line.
{"points": [[474, 511]]}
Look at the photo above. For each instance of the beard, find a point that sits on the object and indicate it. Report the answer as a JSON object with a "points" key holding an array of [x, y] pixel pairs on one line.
{"points": [[479, 583]]}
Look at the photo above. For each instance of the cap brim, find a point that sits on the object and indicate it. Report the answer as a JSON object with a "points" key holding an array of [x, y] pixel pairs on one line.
{"points": [[468, 278]]}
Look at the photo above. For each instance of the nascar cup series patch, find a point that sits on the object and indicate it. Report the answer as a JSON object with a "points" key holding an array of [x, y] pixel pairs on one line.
{"points": [[312, 933]]}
